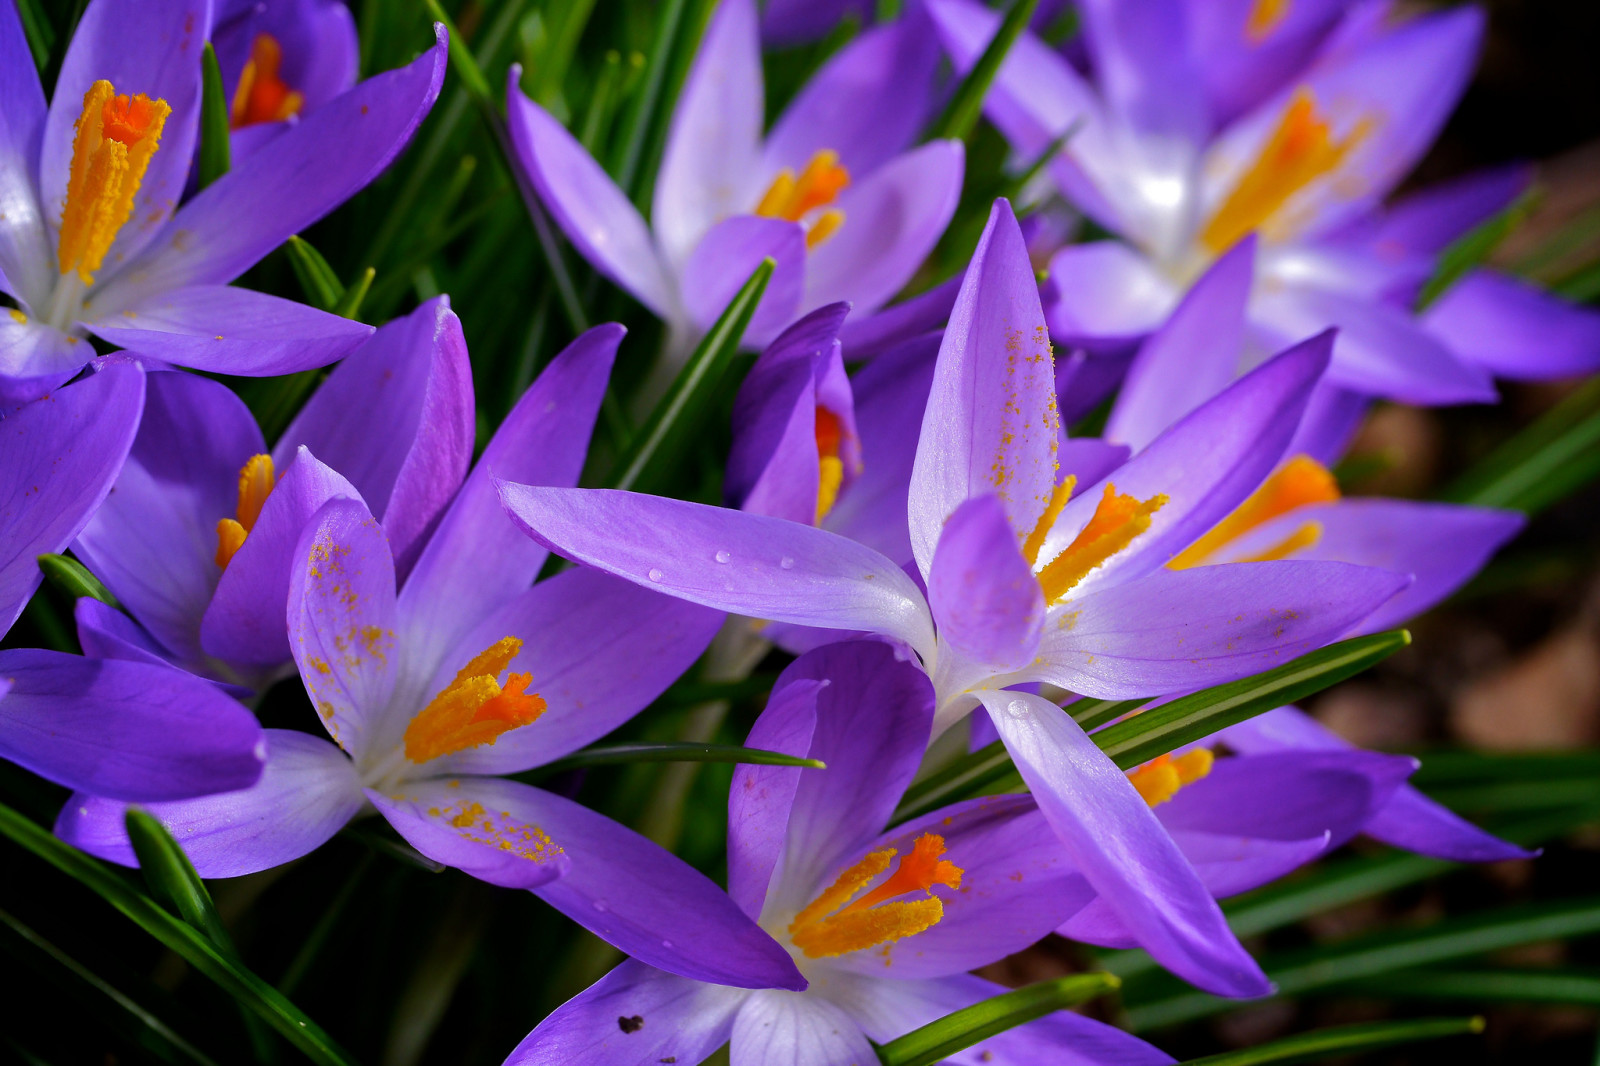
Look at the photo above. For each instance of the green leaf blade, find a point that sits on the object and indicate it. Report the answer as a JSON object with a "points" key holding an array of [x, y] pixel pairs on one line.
{"points": [[961, 114], [942, 1038], [214, 157], [74, 579], [1343, 1040], [621, 754]]}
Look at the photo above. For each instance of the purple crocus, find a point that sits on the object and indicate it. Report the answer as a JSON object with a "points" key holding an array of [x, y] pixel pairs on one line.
{"points": [[431, 690], [198, 539], [1207, 123], [93, 238], [834, 193], [134, 731], [884, 923], [280, 61], [1027, 582]]}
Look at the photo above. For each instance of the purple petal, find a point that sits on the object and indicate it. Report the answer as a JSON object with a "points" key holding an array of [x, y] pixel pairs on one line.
{"points": [[736, 562], [1425, 222], [57, 464], [36, 358], [396, 419], [786, 1027], [106, 633], [1105, 292], [719, 265], [595, 215], [1147, 70], [868, 336], [761, 797], [681, 1021], [1090, 459], [1175, 630], [600, 650], [226, 330], [321, 52], [476, 560], [623, 888], [307, 792], [893, 219], [789, 22], [1514, 329], [246, 621], [341, 620], [1114, 839], [123, 729], [1239, 65], [1333, 415], [991, 423], [479, 825], [25, 258], [985, 600]]}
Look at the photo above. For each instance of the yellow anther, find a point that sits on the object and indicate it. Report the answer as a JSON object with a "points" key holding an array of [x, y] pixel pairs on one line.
{"points": [[818, 185], [826, 225], [830, 477], [256, 480], [1052, 510], [832, 925], [474, 709], [262, 96], [1301, 482], [1117, 520], [1304, 537], [1160, 779], [1299, 151], [116, 136], [1265, 16]]}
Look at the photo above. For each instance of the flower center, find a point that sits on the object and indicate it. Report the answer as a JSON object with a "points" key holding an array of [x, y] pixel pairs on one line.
{"points": [[262, 96], [1160, 779], [474, 709], [1299, 151], [830, 476], [256, 480], [116, 137], [833, 925], [1301, 482], [1265, 16], [817, 186], [1117, 520]]}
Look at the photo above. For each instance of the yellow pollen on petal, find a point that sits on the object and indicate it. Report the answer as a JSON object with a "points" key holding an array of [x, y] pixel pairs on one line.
{"points": [[1299, 151], [256, 481], [1159, 780], [833, 925], [116, 136], [1265, 16], [475, 709], [1117, 520], [262, 96], [1052, 510], [830, 467], [1301, 482]]}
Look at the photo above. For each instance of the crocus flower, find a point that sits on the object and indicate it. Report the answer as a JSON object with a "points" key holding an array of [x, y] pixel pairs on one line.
{"points": [[198, 539], [92, 236], [834, 193], [464, 673], [1339, 115], [280, 61], [884, 923], [1028, 583], [130, 730]]}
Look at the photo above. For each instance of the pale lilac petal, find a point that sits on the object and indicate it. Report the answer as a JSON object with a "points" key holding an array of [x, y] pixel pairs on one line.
{"points": [[742, 563], [892, 220], [227, 330], [307, 793], [991, 422], [1147, 70], [623, 888], [341, 622], [791, 1029], [761, 797], [59, 458], [1240, 65], [719, 265], [596, 216], [1090, 459], [123, 729], [41, 356], [1425, 222], [985, 600], [396, 419], [1105, 292], [477, 825], [1115, 840], [25, 258], [1515, 329], [680, 1021], [246, 621]]}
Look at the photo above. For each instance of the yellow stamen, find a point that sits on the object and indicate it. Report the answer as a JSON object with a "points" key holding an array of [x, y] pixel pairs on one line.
{"points": [[1052, 510], [474, 709], [262, 96], [1265, 16], [1117, 520], [826, 225], [116, 136], [830, 434], [1300, 482], [818, 185], [1304, 537], [1299, 151], [256, 480], [830, 925], [1160, 779]]}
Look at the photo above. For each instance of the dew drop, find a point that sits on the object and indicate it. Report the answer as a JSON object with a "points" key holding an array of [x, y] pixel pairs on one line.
{"points": [[787, 562], [656, 575], [601, 905], [1017, 709], [723, 557], [667, 944]]}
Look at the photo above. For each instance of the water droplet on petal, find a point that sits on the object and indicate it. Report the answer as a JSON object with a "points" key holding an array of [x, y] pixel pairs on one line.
{"points": [[1017, 709], [786, 562], [656, 575], [723, 557], [667, 944], [601, 905]]}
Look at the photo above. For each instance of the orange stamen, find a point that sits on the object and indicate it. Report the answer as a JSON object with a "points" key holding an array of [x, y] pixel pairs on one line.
{"points": [[1301, 482], [1052, 510], [1160, 779], [1117, 520], [818, 185], [830, 467], [474, 709], [256, 481], [116, 136], [1265, 15], [1299, 151], [831, 925], [262, 96]]}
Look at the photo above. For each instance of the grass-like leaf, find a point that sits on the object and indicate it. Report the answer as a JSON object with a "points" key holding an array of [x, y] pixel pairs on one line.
{"points": [[170, 875], [952, 1033], [73, 578], [214, 157], [1473, 247], [961, 114], [316, 277], [1552, 457], [617, 754], [1579, 988], [965, 777], [1342, 1040]]}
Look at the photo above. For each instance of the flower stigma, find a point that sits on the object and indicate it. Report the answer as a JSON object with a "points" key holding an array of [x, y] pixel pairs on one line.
{"points": [[818, 185], [256, 481], [474, 709], [1117, 520], [830, 467], [1300, 482], [1159, 780], [833, 925], [263, 96]]}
